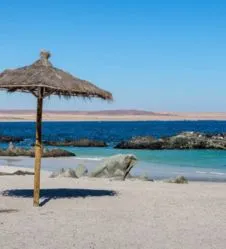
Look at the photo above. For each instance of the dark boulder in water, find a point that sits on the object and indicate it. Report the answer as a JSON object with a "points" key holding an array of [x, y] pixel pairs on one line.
{"points": [[16, 151], [7, 139], [58, 153], [141, 143], [182, 141], [77, 143]]}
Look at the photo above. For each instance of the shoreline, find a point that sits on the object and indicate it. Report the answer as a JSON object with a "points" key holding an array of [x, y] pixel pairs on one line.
{"points": [[47, 173], [157, 172], [110, 120]]}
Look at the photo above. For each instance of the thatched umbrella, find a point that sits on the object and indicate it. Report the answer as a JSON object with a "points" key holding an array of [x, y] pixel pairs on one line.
{"points": [[42, 80]]}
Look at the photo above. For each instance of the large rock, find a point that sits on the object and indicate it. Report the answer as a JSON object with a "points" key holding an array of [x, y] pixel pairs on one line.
{"points": [[140, 143], [57, 153], [16, 151], [182, 141], [115, 166], [195, 140], [77, 143]]}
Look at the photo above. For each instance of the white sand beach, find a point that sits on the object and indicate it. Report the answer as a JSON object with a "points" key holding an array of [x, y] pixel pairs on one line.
{"points": [[99, 213]]}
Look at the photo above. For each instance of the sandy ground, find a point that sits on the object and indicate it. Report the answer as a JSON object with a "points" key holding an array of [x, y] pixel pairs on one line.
{"points": [[103, 214], [61, 116]]}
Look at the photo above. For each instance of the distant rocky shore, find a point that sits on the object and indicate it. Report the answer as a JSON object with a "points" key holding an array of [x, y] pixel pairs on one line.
{"points": [[182, 141], [17, 151], [77, 143], [8, 139]]}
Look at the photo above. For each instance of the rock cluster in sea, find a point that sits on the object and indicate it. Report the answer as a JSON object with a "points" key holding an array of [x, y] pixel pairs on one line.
{"points": [[17, 151], [77, 143], [182, 141]]}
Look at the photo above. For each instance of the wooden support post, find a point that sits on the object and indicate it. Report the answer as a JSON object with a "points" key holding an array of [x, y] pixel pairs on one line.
{"points": [[38, 148]]}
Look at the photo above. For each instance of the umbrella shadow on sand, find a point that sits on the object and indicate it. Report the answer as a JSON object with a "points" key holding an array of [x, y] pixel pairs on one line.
{"points": [[58, 193]]}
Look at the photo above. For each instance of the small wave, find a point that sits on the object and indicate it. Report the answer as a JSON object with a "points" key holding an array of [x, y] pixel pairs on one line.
{"points": [[90, 158], [200, 172], [217, 173], [179, 173]]}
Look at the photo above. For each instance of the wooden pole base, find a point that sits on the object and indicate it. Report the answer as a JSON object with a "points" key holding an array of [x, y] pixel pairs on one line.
{"points": [[38, 154], [38, 149]]}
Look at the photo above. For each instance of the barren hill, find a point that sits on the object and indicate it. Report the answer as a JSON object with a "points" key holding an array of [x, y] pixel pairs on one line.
{"points": [[107, 115]]}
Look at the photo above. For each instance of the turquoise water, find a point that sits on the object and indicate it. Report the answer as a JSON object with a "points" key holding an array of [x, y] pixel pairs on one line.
{"points": [[188, 158], [195, 164]]}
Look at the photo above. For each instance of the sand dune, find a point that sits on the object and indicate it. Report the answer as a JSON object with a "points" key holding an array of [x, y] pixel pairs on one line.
{"points": [[111, 115]]}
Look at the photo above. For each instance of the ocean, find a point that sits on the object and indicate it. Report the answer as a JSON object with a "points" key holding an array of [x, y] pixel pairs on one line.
{"points": [[204, 165]]}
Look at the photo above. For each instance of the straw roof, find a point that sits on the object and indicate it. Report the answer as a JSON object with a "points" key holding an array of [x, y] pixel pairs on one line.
{"points": [[53, 81]]}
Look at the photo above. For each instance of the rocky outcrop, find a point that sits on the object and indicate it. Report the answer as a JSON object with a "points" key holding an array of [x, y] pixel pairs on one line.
{"points": [[73, 173], [182, 141], [178, 180], [81, 170], [57, 153], [117, 166], [17, 172], [16, 151], [64, 173], [7, 139], [77, 143], [140, 143]]}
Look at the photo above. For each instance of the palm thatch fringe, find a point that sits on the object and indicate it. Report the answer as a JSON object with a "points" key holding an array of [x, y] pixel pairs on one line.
{"points": [[54, 81]]}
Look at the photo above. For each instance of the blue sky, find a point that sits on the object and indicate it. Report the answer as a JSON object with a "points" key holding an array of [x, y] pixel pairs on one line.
{"points": [[152, 55]]}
